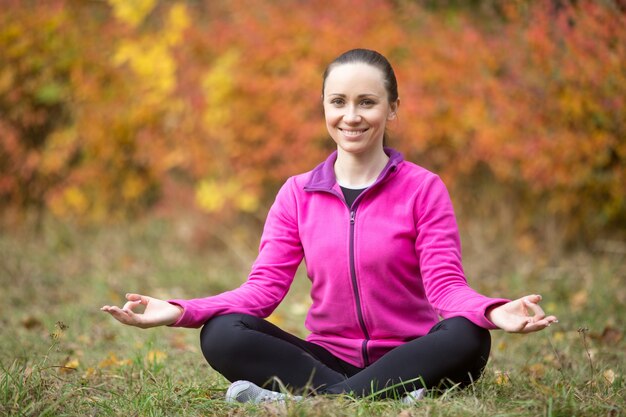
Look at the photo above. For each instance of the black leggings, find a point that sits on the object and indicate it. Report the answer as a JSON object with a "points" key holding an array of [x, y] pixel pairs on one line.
{"points": [[240, 346]]}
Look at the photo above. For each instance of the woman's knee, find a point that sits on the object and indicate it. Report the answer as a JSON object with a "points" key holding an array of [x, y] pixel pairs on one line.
{"points": [[476, 339], [220, 336]]}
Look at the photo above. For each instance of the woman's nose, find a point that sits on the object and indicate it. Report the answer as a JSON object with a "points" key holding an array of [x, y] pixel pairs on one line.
{"points": [[352, 116]]}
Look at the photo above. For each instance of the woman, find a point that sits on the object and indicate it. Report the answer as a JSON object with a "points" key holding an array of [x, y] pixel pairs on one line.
{"points": [[382, 250]]}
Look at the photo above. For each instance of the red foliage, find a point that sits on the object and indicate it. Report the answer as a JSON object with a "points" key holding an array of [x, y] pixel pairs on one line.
{"points": [[227, 96]]}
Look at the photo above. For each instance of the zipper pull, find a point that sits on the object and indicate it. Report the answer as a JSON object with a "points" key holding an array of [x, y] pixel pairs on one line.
{"points": [[352, 217]]}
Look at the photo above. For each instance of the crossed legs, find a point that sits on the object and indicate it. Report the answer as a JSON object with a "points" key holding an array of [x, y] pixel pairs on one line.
{"points": [[243, 347]]}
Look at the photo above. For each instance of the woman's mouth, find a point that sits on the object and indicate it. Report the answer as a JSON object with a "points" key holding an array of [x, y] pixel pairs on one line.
{"points": [[352, 132]]}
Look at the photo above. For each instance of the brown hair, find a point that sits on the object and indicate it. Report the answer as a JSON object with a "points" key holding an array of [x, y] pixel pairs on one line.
{"points": [[373, 58]]}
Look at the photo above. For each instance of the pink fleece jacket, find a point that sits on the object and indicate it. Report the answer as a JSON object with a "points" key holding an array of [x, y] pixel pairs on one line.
{"points": [[382, 271]]}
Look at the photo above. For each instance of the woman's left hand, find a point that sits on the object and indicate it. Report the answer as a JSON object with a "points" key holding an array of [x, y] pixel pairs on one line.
{"points": [[515, 316]]}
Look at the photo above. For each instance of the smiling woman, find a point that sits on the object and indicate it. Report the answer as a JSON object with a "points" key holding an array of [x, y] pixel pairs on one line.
{"points": [[357, 107], [383, 256]]}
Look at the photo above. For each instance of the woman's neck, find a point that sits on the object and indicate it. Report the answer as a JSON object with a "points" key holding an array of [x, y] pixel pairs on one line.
{"points": [[359, 171]]}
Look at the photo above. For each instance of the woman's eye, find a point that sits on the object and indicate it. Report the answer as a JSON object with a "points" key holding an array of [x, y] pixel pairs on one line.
{"points": [[336, 101], [367, 103]]}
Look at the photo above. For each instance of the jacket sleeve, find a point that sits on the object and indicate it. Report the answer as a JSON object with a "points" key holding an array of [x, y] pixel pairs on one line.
{"points": [[438, 247], [272, 273]]}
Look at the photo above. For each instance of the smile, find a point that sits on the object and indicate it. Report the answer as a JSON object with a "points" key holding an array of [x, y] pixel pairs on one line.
{"points": [[352, 132]]}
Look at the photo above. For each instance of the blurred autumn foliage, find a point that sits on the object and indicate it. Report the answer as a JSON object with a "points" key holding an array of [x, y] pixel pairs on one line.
{"points": [[108, 108]]}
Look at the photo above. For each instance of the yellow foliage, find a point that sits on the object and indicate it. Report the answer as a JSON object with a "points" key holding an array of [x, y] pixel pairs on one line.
{"points": [[112, 360], [151, 61], [73, 201], [502, 378], [89, 373], [133, 188], [69, 366], [209, 197], [132, 12], [156, 356], [247, 202], [218, 86], [276, 319], [150, 57], [177, 21], [212, 196], [609, 376]]}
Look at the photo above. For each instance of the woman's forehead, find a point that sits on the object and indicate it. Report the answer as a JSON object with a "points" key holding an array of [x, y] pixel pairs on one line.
{"points": [[355, 78]]}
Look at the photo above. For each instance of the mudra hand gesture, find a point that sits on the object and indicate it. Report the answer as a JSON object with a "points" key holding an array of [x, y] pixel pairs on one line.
{"points": [[157, 312], [515, 316]]}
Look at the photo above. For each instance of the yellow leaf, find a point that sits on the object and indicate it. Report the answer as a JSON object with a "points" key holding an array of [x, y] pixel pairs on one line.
{"points": [[609, 376], [132, 12], [177, 22], [209, 196], [579, 299], [89, 373], [76, 200], [247, 202], [156, 356], [112, 360], [502, 378], [276, 319], [536, 370], [70, 366]]}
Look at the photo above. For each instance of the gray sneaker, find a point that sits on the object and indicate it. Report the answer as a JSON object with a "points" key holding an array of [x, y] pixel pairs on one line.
{"points": [[247, 392], [413, 396]]}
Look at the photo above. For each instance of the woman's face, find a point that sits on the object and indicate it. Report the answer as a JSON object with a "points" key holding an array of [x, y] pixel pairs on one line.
{"points": [[356, 107]]}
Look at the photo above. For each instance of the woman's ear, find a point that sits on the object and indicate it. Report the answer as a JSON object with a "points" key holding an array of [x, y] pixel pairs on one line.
{"points": [[393, 110]]}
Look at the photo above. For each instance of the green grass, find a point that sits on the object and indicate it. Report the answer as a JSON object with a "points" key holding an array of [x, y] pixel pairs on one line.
{"points": [[61, 356]]}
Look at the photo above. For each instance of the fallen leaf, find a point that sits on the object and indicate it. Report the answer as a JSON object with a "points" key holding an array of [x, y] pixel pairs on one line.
{"points": [[579, 299], [70, 366], [179, 341], [89, 373], [502, 378], [610, 336], [276, 319], [609, 376], [156, 356], [112, 360], [31, 322], [536, 370]]}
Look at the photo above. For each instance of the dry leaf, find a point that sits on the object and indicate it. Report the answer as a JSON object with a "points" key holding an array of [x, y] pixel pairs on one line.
{"points": [[70, 366], [579, 299], [502, 378], [536, 370], [112, 360], [609, 376], [89, 373], [276, 319], [610, 336], [31, 322], [156, 356]]}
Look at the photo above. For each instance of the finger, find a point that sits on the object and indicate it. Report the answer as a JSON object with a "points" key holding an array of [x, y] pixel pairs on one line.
{"points": [[120, 315], [130, 305], [536, 309], [539, 324], [133, 296]]}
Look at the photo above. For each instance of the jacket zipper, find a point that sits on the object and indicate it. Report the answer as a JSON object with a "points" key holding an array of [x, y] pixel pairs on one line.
{"points": [[355, 287]]}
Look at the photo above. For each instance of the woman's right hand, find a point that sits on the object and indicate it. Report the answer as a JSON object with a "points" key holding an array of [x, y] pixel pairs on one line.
{"points": [[157, 312]]}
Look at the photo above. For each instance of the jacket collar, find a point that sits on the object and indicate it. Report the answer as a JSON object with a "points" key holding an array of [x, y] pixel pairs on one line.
{"points": [[323, 176]]}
